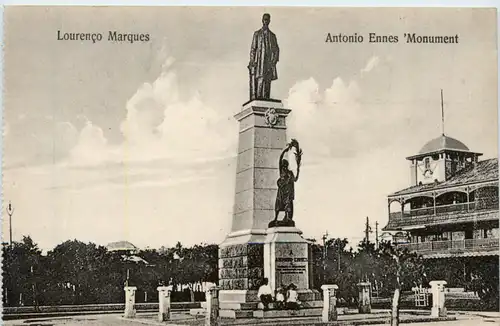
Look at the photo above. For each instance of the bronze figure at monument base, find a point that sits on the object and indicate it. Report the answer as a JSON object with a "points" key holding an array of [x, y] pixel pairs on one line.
{"points": [[286, 186]]}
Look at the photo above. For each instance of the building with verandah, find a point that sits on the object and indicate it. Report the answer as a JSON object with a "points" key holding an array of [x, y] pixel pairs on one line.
{"points": [[450, 208]]}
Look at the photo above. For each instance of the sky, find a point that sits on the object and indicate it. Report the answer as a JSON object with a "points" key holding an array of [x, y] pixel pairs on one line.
{"points": [[116, 141]]}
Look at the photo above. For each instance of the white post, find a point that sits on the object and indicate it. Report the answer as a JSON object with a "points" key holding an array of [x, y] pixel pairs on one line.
{"points": [[212, 314], [329, 303], [365, 306], [164, 301], [129, 301], [438, 306]]}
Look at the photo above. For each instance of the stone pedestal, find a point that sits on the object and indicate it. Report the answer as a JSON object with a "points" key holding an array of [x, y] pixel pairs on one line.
{"points": [[365, 306], [129, 301], [438, 300], [212, 302], [329, 303], [262, 137], [164, 301], [286, 258], [252, 250]]}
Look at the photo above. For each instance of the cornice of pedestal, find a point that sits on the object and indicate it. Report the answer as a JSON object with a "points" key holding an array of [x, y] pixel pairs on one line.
{"points": [[246, 232], [283, 229], [259, 107], [244, 236], [289, 234], [266, 103]]}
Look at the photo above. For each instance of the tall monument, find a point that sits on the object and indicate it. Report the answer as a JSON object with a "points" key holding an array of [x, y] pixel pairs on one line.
{"points": [[260, 243]]}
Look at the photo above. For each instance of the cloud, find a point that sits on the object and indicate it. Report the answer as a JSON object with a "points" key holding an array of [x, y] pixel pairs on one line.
{"points": [[160, 124], [37, 141], [343, 120], [372, 63], [168, 139], [91, 147]]}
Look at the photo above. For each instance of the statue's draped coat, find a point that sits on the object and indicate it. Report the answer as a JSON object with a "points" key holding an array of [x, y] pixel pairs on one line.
{"points": [[264, 54]]}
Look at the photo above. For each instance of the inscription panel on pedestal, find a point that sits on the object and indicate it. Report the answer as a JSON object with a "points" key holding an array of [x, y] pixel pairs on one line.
{"points": [[291, 264]]}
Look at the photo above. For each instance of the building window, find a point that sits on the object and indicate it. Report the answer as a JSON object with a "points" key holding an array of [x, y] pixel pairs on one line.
{"points": [[492, 233], [458, 235], [478, 234], [427, 163]]}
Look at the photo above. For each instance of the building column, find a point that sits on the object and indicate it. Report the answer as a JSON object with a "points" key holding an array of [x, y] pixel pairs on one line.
{"points": [[434, 202], [468, 199]]}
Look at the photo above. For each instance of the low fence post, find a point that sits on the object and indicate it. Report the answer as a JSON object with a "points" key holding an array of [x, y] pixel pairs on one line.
{"points": [[164, 302], [438, 300], [212, 313], [365, 306], [329, 302], [130, 301]]}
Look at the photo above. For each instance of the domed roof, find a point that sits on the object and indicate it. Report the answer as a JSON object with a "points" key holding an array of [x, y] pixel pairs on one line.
{"points": [[443, 142], [120, 245]]}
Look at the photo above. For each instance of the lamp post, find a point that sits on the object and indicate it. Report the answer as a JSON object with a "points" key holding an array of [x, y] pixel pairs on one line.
{"points": [[33, 288], [338, 256], [10, 212], [128, 277], [325, 236]]}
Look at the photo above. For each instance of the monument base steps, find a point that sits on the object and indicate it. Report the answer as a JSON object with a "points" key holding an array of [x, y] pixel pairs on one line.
{"points": [[243, 303], [237, 310], [309, 312], [309, 295], [240, 296], [303, 305], [197, 311], [235, 314], [312, 304], [239, 305], [246, 296]]}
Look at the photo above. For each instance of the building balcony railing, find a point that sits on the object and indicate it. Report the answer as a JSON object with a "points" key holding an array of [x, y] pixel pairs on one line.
{"points": [[444, 213], [453, 246]]}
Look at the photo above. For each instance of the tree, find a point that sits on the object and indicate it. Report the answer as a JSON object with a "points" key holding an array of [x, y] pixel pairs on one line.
{"points": [[317, 264], [332, 264], [339, 269], [197, 265], [21, 263], [85, 273], [485, 280], [402, 268]]}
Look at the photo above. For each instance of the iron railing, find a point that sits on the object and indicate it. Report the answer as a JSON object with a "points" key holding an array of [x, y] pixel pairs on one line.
{"points": [[486, 244], [443, 213]]}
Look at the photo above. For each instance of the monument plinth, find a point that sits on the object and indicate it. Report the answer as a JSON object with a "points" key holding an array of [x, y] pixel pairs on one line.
{"points": [[253, 250], [262, 136], [260, 245], [286, 258]]}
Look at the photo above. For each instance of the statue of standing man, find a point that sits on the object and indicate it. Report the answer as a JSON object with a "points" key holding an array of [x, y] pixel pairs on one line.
{"points": [[264, 54]]}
